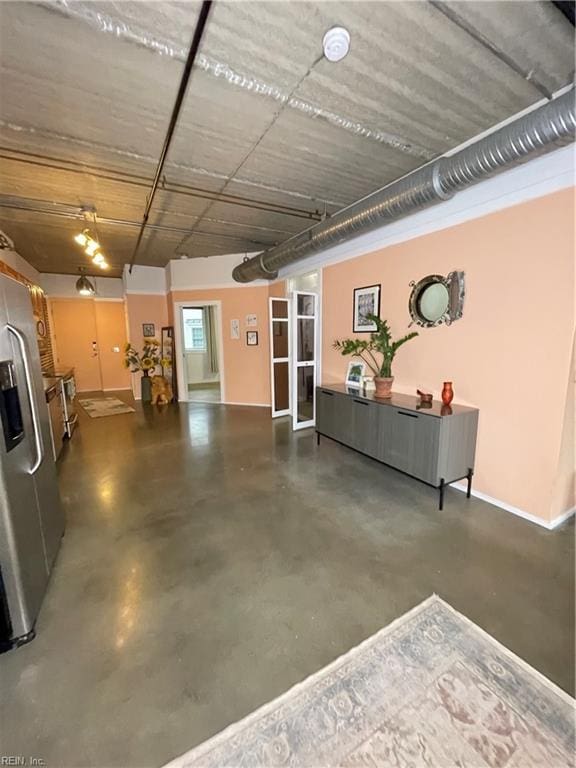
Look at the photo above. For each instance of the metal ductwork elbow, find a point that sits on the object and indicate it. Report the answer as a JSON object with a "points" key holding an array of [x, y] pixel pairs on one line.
{"points": [[550, 126]]}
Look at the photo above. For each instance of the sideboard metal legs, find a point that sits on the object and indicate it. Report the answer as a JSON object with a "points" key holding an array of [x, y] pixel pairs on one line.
{"points": [[317, 438], [443, 485], [469, 489]]}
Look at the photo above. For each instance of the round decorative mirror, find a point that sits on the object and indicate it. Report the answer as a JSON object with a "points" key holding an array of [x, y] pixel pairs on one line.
{"points": [[436, 299]]}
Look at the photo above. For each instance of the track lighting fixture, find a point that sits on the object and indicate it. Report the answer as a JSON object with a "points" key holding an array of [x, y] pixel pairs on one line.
{"points": [[91, 248]]}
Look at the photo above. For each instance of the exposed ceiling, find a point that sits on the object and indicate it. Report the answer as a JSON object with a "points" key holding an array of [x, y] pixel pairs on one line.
{"points": [[271, 135]]}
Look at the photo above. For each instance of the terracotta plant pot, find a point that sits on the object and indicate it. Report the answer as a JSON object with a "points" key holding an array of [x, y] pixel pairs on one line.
{"points": [[383, 387], [447, 393]]}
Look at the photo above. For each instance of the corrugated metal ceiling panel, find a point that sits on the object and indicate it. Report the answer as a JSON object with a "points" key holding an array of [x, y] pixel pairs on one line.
{"points": [[266, 119]]}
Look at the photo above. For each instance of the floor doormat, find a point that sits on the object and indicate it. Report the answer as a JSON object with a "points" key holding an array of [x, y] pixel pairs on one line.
{"points": [[431, 689], [105, 406]]}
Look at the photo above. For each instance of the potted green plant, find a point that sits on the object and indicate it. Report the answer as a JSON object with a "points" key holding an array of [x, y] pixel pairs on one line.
{"points": [[146, 362], [379, 343]]}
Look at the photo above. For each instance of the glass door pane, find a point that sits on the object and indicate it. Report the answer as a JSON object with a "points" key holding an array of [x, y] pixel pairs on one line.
{"points": [[281, 387], [279, 338], [279, 309], [305, 394], [305, 339]]}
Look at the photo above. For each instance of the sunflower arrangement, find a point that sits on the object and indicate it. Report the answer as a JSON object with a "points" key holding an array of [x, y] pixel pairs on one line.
{"points": [[146, 361]]}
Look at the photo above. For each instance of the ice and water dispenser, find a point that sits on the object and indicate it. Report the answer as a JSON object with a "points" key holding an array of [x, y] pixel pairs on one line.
{"points": [[10, 412]]}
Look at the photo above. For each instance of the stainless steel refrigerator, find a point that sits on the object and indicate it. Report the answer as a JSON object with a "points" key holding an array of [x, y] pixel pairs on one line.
{"points": [[31, 516]]}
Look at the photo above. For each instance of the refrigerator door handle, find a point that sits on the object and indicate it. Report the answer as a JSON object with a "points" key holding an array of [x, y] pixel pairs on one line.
{"points": [[21, 339]]}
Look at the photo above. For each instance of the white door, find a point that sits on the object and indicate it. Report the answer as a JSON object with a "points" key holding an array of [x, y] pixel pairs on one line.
{"points": [[280, 356], [304, 329]]}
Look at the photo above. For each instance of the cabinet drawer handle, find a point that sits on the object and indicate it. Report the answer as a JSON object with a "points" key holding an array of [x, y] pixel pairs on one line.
{"points": [[403, 413], [327, 393], [361, 402]]}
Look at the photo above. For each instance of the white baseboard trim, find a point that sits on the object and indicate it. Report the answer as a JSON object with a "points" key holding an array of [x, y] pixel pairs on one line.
{"points": [[117, 389], [253, 405], [562, 518], [549, 525]]}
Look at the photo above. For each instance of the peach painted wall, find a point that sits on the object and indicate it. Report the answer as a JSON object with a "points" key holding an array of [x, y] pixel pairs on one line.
{"points": [[277, 289], [144, 308], [509, 354], [246, 369], [565, 488]]}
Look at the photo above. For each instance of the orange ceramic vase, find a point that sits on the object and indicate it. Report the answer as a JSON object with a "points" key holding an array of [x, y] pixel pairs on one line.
{"points": [[447, 393]]}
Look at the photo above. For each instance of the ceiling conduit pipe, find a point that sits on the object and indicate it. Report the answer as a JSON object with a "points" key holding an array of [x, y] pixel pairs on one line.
{"points": [[192, 54], [550, 126]]}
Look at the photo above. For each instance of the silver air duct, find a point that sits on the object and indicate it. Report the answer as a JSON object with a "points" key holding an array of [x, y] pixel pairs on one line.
{"points": [[550, 126]]}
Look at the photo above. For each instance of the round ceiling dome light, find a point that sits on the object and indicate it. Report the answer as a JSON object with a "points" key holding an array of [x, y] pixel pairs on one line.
{"points": [[336, 43]]}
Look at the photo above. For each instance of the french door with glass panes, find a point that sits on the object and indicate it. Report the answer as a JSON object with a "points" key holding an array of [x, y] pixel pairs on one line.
{"points": [[280, 356], [304, 329]]}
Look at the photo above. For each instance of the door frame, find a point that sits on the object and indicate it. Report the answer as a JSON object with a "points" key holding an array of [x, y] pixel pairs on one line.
{"points": [[296, 425], [288, 321], [178, 306], [319, 337]]}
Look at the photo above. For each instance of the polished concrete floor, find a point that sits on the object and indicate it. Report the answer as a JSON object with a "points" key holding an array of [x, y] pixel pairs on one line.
{"points": [[213, 558], [209, 393]]}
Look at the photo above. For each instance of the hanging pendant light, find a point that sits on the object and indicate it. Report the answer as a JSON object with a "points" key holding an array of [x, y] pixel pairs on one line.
{"points": [[84, 286]]}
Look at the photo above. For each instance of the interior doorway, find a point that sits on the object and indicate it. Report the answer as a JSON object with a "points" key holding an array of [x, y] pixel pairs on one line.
{"points": [[200, 345]]}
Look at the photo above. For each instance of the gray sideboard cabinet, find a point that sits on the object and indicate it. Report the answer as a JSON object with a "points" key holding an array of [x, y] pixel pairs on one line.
{"points": [[436, 445]]}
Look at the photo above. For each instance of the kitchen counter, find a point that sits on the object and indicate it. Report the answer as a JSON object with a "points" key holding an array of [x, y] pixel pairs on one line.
{"points": [[64, 373], [52, 381], [50, 384]]}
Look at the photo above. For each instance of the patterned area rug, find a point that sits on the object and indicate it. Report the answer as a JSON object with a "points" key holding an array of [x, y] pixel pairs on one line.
{"points": [[431, 689], [105, 406]]}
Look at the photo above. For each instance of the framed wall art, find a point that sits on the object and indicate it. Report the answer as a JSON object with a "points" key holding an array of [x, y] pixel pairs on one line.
{"points": [[252, 338], [366, 302], [148, 330]]}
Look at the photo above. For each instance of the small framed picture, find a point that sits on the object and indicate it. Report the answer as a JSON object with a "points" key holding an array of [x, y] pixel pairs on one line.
{"points": [[252, 338], [366, 302], [148, 330], [251, 321], [355, 374]]}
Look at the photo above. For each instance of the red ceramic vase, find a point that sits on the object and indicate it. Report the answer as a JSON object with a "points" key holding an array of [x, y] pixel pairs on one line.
{"points": [[447, 393]]}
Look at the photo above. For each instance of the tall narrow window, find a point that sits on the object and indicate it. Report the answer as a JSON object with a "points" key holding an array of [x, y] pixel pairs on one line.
{"points": [[194, 332]]}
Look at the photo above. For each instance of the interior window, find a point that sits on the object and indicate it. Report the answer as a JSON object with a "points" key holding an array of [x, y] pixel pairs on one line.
{"points": [[194, 336]]}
